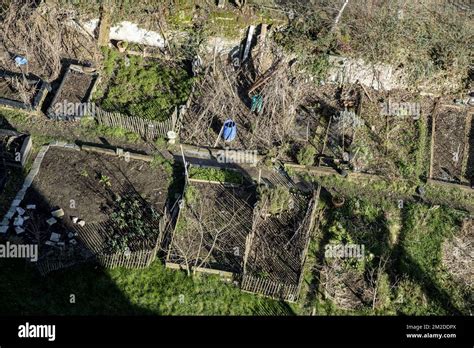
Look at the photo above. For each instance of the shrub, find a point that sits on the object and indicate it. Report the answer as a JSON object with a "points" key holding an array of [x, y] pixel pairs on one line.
{"points": [[191, 195], [279, 199], [160, 161], [145, 88], [306, 155]]}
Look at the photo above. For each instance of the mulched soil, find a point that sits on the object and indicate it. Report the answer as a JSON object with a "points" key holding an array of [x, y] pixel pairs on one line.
{"points": [[75, 87]]}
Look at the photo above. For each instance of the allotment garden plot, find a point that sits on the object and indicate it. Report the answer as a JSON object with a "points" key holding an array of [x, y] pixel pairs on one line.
{"points": [[390, 134], [88, 202], [147, 88], [214, 222], [261, 99], [451, 148]]}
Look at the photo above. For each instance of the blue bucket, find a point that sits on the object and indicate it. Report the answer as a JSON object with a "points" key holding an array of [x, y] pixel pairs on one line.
{"points": [[230, 130]]}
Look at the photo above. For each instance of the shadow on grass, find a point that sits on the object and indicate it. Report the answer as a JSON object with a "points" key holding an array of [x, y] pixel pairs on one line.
{"points": [[89, 289], [407, 264]]}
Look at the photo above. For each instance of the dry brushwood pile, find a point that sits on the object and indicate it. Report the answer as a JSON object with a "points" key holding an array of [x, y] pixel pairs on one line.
{"points": [[458, 255], [343, 285], [18, 88], [45, 34], [226, 92]]}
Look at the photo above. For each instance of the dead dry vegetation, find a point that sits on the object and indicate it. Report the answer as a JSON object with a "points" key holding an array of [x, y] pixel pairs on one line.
{"points": [[45, 35], [18, 88], [226, 92], [458, 256], [426, 40]]}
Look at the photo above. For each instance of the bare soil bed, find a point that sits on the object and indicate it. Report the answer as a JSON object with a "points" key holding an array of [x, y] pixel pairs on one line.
{"points": [[450, 144], [67, 175], [85, 186], [75, 88]]}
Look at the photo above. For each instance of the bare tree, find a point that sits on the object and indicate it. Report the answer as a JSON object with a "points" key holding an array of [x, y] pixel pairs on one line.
{"points": [[207, 231]]}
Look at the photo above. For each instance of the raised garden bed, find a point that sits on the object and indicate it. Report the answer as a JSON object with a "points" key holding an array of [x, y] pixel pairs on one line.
{"points": [[74, 91], [14, 147], [451, 148], [21, 92], [111, 207]]}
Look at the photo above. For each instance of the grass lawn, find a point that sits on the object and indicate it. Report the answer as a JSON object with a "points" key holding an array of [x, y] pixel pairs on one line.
{"points": [[152, 291], [415, 281]]}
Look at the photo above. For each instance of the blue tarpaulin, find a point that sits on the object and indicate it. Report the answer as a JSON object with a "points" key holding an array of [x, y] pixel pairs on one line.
{"points": [[19, 60]]}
